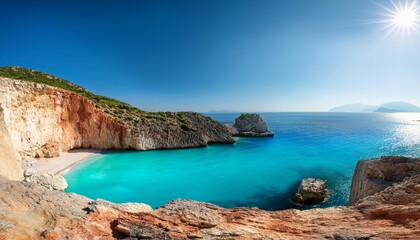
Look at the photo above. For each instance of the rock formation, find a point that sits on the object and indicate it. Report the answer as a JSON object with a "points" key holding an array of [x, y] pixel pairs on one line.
{"points": [[9, 167], [311, 191], [374, 175], [48, 180], [43, 121], [249, 125], [30, 211]]}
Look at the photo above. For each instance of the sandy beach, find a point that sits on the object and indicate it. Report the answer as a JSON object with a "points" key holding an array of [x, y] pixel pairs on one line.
{"points": [[64, 162]]}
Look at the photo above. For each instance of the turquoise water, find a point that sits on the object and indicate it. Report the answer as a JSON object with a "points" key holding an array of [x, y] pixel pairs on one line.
{"points": [[262, 172]]}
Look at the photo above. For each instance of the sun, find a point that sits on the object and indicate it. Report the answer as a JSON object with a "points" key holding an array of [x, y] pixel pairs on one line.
{"points": [[402, 18], [405, 18]]}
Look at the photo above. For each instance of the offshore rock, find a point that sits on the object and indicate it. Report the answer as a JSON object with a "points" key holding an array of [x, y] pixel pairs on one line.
{"points": [[374, 175], [249, 125], [311, 191], [30, 211]]}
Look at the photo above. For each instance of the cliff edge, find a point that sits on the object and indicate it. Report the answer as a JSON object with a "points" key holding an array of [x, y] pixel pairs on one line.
{"points": [[29, 211], [374, 175]]}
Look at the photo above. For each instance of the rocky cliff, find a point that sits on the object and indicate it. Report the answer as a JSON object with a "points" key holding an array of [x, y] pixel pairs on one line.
{"points": [[29, 211], [374, 175], [9, 167], [43, 120]]}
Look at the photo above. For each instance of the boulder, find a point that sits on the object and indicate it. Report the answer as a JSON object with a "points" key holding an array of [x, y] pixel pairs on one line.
{"points": [[311, 191], [249, 125], [49, 150], [48, 180], [51, 181]]}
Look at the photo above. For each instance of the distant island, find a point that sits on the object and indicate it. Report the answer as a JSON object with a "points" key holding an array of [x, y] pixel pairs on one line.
{"points": [[391, 107]]}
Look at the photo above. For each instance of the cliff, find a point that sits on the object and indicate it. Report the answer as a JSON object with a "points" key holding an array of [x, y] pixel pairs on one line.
{"points": [[30, 211], [9, 166], [374, 175], [45, 116]]}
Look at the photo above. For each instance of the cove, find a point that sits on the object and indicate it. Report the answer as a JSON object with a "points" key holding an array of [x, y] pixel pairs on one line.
{"points": [[260, 172]]}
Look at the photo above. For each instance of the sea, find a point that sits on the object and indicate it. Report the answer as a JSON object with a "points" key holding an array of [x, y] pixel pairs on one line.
{"points": [[253, 172]]}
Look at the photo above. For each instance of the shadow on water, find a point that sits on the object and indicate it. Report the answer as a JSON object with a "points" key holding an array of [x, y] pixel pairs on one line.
{"points": [[272, 198]]}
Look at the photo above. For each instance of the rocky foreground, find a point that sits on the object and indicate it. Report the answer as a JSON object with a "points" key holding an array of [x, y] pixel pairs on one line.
{"points": [[30, 211]]}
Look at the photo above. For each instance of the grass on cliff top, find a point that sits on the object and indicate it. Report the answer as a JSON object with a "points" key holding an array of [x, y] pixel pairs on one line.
{"points": [[121, 110]]}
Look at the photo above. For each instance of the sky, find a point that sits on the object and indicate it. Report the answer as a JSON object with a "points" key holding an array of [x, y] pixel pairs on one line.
{"points": [[201, 55]]}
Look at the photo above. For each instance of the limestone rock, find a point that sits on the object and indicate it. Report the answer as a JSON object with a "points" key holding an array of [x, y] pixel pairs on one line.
{"points": [[47, 180], [311, 191], [51, 181], [44, 121], [399, 202], [133, 207], [9, 165], [374, 175], [50, 149], [249, 125], [30, 172]]}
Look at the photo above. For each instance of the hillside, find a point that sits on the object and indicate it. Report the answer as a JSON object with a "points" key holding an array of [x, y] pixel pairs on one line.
{"points": [[44, 112], [120, 110]]}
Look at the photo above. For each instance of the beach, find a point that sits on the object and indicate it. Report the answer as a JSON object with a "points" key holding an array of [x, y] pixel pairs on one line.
{"points": [[64, 162]]}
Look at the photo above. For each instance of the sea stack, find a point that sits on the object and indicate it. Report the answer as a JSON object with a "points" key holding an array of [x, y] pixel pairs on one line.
{"points": [[249, 125], [311, 191]]}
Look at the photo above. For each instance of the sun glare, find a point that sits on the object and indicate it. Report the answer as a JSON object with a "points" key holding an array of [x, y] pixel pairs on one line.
{"points": [[405, 18], [402, 18]]}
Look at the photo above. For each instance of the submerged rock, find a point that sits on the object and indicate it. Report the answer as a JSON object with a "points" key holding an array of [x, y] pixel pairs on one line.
{"points": [[249, 125], [311, 191]]}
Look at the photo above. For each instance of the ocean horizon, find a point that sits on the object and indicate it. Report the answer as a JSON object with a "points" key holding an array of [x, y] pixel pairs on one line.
{"points": [[253, 172]]}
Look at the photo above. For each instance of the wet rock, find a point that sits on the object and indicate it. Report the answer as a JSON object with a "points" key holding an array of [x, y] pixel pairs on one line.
{"points": [[311, 191]]}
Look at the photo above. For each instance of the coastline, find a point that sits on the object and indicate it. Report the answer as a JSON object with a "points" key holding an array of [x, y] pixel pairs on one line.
{"points": [[63, 163]]}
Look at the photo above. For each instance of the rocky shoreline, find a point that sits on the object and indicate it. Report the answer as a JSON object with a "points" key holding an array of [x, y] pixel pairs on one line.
{"points": [[31, 211]]}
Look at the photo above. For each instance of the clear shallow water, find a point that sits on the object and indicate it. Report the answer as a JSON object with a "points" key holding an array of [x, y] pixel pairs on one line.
{"points": [[262, 172]]}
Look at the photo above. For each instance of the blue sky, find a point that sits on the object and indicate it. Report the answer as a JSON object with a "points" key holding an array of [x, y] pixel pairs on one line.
{"points": [[247, 55]]}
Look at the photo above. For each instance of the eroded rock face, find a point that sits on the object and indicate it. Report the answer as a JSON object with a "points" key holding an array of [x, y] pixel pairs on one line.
{"points": [[311, 191], [29, 211], [249, 125], [43, 121], [374, 175], [9, 166]]}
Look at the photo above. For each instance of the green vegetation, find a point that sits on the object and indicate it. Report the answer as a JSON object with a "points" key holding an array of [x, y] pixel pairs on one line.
{"points": [[122, 111], [245, 115], [110, 105]]}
